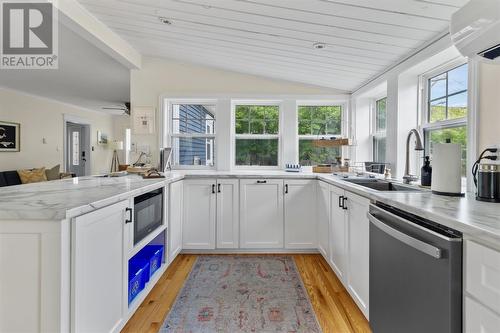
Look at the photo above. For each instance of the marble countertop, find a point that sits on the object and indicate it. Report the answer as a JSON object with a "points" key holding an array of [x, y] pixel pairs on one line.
{"points": [[58, 200]]}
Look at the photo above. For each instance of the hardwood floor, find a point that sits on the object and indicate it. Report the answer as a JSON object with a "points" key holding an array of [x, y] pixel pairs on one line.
{"points": [[335, 310]]}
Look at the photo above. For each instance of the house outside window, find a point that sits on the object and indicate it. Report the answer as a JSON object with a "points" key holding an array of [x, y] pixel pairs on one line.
{"points": [[379, 133], [192, 134], [257, 134], [316, 122], [445, 116]]}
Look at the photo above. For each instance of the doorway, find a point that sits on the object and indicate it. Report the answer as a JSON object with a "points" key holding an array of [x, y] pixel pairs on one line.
{"points": [[77, 143]]}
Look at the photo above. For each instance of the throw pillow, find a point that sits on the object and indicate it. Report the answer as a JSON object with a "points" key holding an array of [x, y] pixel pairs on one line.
{"points": [[32, 176], [53, 174]]}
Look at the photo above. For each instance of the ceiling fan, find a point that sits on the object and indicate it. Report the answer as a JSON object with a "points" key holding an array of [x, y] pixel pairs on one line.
{"points": [[121, 108]]}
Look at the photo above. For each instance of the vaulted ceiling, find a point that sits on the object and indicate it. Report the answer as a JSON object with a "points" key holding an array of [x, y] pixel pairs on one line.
{"points": [[276, 38]]}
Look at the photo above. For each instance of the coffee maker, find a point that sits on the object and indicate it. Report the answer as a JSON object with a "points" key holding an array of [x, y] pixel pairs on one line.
{"points": [[486, 172]]}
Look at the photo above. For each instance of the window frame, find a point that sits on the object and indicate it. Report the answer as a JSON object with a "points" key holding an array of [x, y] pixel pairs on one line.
{"points": [[234, 136], [343, 126], [426, 126], [375, 134], [169, 135]]}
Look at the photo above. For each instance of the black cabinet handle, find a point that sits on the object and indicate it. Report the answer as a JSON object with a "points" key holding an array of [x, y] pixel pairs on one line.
{"points": [[261, 181], [129, 210], [213, 188], [343, 203], [218, 188], [286, 188]]}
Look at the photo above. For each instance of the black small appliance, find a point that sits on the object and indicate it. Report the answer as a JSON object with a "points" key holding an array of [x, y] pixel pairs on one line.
{"points": [[148, 213], [486, 172]]}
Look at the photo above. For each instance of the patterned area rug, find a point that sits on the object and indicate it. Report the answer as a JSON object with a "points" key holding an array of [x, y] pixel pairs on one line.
{"points": [[242, 294]]}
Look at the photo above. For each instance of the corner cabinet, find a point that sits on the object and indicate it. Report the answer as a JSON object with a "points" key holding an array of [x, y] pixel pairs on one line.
{"points": [[323, 219], [300, 215], [261, 213], [99, 281]]}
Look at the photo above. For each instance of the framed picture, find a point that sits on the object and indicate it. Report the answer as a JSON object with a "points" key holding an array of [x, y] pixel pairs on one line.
{"points": [[102, 139], [10, 135], [143, 119]]}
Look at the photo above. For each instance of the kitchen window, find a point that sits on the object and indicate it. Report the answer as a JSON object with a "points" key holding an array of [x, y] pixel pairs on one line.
{"points": [[315, 122], [446, 109], [192, 134], [380, 127], [257, 134]]}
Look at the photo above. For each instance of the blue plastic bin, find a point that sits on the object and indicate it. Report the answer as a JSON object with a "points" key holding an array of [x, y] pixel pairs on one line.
{"points": [[154, 255], [138, 275]]}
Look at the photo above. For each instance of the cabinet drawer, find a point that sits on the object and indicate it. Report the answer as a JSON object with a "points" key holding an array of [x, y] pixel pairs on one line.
{"points": [[479, 319], [482, 272]]}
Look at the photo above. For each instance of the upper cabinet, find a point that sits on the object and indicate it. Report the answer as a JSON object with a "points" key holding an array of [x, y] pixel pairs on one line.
{"points": [[300, 215], [198, 228], [261, 213]]}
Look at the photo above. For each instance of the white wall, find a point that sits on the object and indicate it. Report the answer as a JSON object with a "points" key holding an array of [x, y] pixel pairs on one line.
{"points": [[168, 78], [42, 118], [489, 105]]}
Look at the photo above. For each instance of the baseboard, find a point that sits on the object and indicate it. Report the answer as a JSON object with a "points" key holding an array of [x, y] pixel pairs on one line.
{"points": [[251, 251]]}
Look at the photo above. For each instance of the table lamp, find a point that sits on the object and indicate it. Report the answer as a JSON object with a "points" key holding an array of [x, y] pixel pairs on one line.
{"points": [[115, 162]]}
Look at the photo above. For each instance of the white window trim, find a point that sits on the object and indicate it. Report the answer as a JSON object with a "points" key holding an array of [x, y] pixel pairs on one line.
{"points": [[168, 135], [235, 136], [373, 123], [343, 121]]}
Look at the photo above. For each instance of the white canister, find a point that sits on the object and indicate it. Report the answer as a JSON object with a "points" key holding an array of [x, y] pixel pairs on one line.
{"points": [[447, 169]]}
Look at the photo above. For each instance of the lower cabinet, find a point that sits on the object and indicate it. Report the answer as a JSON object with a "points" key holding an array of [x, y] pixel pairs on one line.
{"points": [[479, 319], [349, 243], [300, 215], [98, 301], [261, 213], [338, 232], [228, 213], [323, 219], [199, 212], [175, 220]]}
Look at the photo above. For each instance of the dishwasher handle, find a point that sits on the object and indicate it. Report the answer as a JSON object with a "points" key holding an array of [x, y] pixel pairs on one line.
{"points": [[408, 240]]}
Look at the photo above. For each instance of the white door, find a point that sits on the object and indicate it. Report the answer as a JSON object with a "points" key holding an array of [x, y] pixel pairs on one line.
{"points": [[300, 214], [228, 218], [261, 213], [175, 220], [198, 227], [76, 149], [358, 250], [99, 270], [338, 232], [323, 211]]}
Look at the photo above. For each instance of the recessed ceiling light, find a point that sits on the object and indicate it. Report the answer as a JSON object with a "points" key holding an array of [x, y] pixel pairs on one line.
{"points": [[319, 46], [207, 6], [164, 20]]}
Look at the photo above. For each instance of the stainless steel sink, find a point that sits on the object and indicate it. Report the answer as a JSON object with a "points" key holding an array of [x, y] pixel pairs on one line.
{"points": [[382, 185]]}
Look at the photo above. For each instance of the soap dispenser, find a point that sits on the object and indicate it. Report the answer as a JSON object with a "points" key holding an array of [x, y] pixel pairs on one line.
{"points": [[426, 174]]}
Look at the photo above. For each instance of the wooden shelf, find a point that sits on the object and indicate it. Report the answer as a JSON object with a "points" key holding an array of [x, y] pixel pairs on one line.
{"points": [[326, 143]]}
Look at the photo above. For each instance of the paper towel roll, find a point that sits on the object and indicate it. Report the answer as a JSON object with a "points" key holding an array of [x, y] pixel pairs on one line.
{"points": [[447, 169]]}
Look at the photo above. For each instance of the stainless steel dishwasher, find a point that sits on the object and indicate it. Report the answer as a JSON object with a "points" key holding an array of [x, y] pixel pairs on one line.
{"points": [[415, 273]]}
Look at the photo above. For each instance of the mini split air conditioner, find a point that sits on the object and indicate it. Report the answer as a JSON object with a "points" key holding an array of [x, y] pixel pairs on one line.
{"points": [[475, 30]]}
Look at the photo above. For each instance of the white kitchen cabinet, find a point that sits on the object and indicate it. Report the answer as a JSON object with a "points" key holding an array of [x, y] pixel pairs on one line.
{"points": [[199, 213], [358, 251], [175, 220], [99, 270], [338, 232], [228, 213], [300, 215], [323, 219], [479, 319], [261, 213]]}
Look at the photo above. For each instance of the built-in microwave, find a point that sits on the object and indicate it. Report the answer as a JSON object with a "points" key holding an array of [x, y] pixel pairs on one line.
{"points": [[148, 213]]}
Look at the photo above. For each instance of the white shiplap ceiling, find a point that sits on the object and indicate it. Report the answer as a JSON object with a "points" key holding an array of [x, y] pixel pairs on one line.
{"points": [[274, 38]]}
